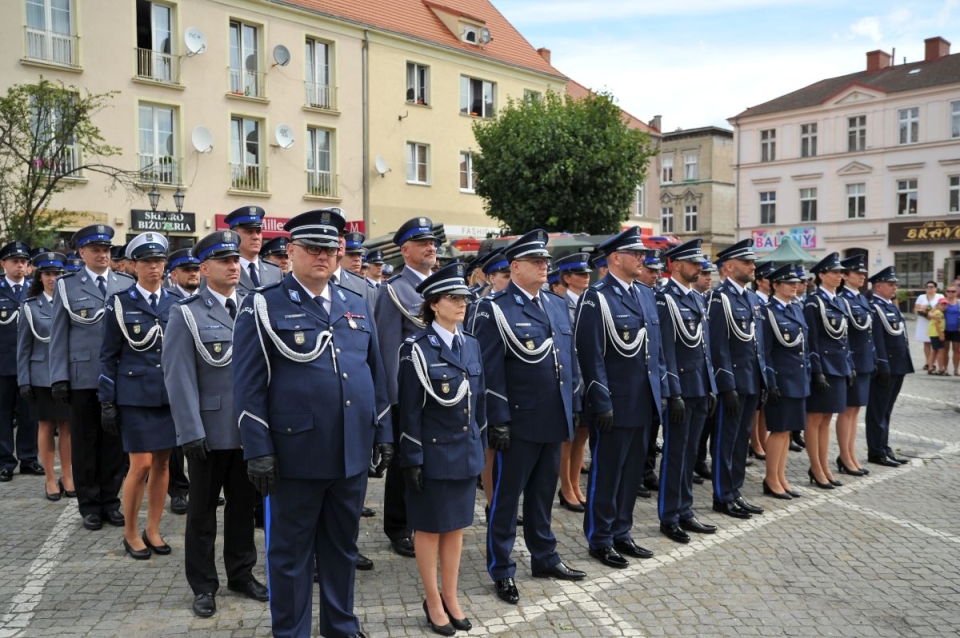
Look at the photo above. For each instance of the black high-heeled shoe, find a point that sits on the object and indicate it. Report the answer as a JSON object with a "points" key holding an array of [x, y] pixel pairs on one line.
{"points": [[460, 624], [564, 503], [54, 496], [835, 483], [64, 491], [846, 470], [794, 493], [768, 491], [161, 550], [759, 457], [443, 630], [814, 481]]}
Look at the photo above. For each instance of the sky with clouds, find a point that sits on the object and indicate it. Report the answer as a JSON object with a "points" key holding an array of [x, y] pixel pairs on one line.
{"points": [[699, 62]]}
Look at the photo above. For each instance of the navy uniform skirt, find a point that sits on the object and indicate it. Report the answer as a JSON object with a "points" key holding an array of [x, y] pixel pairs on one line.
{"points": [[833, 401], [44, 408], [789, 415], [857, 395], [442, 506], [147, 429]]}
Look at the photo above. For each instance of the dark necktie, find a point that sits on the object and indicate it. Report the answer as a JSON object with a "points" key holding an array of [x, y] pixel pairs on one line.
{"points": [[153, 301], [323, 310], [455, 346], [102, 285], [633, 293], [17, 289], [336, 280], [231, 308], [254, 277]]}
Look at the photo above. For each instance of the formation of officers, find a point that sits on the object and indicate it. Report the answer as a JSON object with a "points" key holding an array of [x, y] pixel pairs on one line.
{"points": [[286, 378]]}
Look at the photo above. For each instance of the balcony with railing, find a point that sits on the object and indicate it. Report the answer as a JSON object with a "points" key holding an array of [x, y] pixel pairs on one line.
{"points": [[157, 66], [159, 169], [322, 184], [321, 96], [51, 47], [248, 177], [62, 165], [247, 83]]}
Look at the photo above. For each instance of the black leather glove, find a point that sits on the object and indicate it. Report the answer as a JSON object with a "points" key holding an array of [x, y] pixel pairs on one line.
{"points": [[374, 463], [110, 418], [576, 420], [763, 399], [731, 402], [26, 391], [604, 421], [774, 396], [262, 472], [414, 477], [852, 379], [195, 450], [61, 391], [385, 451], [711, 404], [678, 411], [883, 379], [498, 437], [820, 384]]}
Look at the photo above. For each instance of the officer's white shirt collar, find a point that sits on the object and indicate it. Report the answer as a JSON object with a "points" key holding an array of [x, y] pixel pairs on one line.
{"points": [[764, 297], [528, 295], [854, 291], [325, 295], [49, 298], [416, 272], [146, 293], [184, 292], [573, 295], [445, 334], [223, 300], [830, 295], [245, 264], [12, 283], [736, 286], [337, 275], [94, 275], [682, 288], [623, 284]]}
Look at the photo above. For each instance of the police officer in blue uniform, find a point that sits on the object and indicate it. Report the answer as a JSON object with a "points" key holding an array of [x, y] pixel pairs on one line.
{"points": [[76, 337], [376, 261], [533, 384], [348, 273], [690, 388], [184, 271], [353, 252], [311, 399], [14, 409], [649, 274], [274, 251], [247, 221], [397, 309], [624, 373], [893, 364]]}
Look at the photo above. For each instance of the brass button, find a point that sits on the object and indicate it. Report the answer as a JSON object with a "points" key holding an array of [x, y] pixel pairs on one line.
{"points": [[289, 430]]}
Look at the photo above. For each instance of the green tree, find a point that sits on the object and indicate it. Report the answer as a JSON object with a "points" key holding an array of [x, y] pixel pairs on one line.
{"points": [[47, 140], [560, 163]]}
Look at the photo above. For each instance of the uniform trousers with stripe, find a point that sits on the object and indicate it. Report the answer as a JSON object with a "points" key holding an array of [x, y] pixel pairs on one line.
{"points": [[681, 443], [616, 472], [730, 448]]}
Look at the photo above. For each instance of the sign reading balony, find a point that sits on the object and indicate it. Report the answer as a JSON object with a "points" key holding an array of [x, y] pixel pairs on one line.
{"points": [[767, 240]]}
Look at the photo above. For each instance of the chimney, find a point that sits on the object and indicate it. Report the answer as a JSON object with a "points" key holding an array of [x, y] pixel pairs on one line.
{"points": [[877, 60], [545, 53], [655, 123], [935, 48]]}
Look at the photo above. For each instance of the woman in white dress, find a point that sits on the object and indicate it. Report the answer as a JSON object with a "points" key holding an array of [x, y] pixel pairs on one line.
{"points": [[924, 302]]}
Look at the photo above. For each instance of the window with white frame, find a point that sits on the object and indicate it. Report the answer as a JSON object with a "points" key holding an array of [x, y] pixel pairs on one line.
{"points": [[953, 194], [768, 145], [690, 218], [856, 201], [317, 80], [418, 155], [909, 121], [529, 95], [49, 32], [476, 97], [245, 76], [639, 205], [856, 133], [808, 140], [418, 84], [155, 59], [906, 197], [468, 177], [666, 219], [56, 147], [157, 154], [666, 169], [247, 172], [321, 180], [808, 204], [690, 166], [955, 119], [768, 207]]}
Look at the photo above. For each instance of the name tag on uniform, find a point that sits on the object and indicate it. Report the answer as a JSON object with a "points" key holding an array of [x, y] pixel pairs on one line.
{"points": [[523, 325], [439, 365]]}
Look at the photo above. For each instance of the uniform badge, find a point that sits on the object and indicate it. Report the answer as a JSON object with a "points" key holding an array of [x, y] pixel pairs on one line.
{"points": [[693, 326], [445, 387], [626, 335], [209, 302], [833, 322], [217, 348], [786, 336], [83, 314], [351, 323], [295, 296], [136, 328], [530, 345], [433, 341], [518, 300], [299, 339], [3, 314]]}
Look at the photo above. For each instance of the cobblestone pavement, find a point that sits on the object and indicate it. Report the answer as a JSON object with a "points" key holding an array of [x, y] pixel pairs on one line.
{"points": [[878, 557]]}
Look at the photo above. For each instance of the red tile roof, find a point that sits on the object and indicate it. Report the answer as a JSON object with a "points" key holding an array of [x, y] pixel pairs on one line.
{"points": [[579, 91], [416, 19]]}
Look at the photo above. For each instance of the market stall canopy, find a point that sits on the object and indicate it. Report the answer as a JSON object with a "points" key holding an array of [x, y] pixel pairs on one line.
{"points": [[789, 252]]}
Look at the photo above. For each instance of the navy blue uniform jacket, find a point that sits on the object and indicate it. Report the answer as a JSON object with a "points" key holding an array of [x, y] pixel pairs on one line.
{"points": [[689, 370], [828, 355], [791, 365]]}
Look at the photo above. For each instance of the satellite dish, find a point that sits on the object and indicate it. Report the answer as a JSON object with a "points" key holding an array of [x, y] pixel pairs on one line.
{"points": [[381, 166], [202, 139], [195, 41], [485, 36], [281, 55], [284, 136]]}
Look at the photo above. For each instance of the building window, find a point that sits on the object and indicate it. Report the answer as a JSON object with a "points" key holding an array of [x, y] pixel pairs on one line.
{"points": [[158, 162], [768, 207], [690, 167], [321, 181], [666, 220], [49, 32], [247, 172], [954, 194], [955, 119], [913, 269], [639, 205], [417, 157], [808, 204], [906, 197], [909, 125], [666, 169], [529, 95], [418, 77], [468, 177], [768, 145], [318, 80], [808, 140], [857, 133], [245, 76], [856, 201], [476, 97], [690, 219], [56, 148], [155, 59]]}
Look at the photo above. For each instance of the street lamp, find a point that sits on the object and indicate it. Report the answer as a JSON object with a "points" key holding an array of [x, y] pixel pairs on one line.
{"points": [[154, 197], [178, 200]]}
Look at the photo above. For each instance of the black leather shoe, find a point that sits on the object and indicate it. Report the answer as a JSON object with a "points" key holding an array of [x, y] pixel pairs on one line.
{"points": [[697, 479], [507, 591], [562, 572], [161, 550], [519, 520], [204, 605], [251, 589], [643, 492], [703, 471], [629, 548], [882, 460], [92, 522], [674, 533], [890, 455], [404, 547], [565, 504], [748, 462], [114, 517], [6, 475], [731, 509], [794, 447], [359, 634], [364, 564], [693, 524], [796, 440], [652, 484], [178, 505], [138, 554], [366, 512], [609, 557], [221, 501], [31, 467], [750, 507]]}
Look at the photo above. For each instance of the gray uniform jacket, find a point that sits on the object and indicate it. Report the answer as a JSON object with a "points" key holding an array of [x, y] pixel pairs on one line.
{"points": [[360, 285], [392, 326], [33, 335], [201, 392], [269, 274], [76, 335]]}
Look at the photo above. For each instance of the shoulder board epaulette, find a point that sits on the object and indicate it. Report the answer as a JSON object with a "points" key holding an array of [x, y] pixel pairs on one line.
{"points": [[599, 285], [494, 295], [352, 292], [122, 275], [67, 275], [275, 284], [33, 298], [550, 292], [394, 278], [186, 300], [269, 265]]}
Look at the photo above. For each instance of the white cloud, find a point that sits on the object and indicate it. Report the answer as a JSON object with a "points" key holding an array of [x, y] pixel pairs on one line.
{"points": [[541, 12], [869, 27]]}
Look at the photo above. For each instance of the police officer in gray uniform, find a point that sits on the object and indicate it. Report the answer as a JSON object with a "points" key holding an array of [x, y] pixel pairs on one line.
{"points": [[247, 222], [196, 370], [76, 337]]}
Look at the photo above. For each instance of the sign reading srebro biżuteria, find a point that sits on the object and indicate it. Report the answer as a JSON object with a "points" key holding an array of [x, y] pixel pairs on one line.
{"points": [[170, 221], [918, 232]]}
